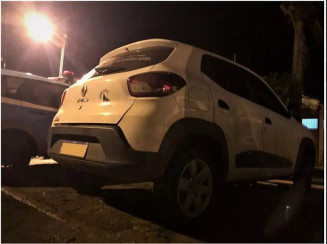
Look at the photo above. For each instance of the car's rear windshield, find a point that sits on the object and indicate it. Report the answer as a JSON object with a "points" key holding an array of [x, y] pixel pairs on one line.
{"points": [[131, 60]]}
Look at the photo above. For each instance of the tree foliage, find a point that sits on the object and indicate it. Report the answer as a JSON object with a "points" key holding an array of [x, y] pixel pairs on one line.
{"points": [[287, 89], [307, 24]]}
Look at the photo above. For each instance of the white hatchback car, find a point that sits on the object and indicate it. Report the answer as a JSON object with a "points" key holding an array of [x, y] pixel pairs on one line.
{"points": [[185, 118]]}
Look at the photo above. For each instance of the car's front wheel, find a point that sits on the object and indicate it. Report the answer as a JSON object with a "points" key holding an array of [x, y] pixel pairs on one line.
{"points": [[188, 190]]}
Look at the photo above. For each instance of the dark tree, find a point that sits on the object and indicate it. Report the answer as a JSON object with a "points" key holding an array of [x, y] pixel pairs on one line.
{"points": [[307, 24]]}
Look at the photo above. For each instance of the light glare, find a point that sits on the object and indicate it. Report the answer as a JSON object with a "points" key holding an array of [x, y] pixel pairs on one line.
{"points": [[39, 27]]}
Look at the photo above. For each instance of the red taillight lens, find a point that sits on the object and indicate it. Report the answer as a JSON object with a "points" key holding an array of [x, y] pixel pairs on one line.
{"points": [[63, 97], [154, 84]]}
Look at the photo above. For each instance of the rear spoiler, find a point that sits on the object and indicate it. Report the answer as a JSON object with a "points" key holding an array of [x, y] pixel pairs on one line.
{"points": [[138, 45]]}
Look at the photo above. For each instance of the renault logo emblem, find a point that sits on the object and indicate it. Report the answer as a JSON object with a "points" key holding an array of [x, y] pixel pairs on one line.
{"points": [[84, 90]]}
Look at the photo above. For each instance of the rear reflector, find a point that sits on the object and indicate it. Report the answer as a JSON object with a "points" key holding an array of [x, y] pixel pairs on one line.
{"points": [[154, 84]]}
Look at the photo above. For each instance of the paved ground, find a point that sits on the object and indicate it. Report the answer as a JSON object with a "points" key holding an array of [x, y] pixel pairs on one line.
{"points": [[39, 205]]}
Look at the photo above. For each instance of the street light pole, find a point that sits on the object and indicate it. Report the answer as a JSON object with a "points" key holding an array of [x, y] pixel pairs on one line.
{"points": [[41, 29], [62, 55], [5, 42]]}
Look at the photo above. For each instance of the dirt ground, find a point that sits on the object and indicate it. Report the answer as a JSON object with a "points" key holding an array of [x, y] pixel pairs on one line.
{"points": [[39, 205]]}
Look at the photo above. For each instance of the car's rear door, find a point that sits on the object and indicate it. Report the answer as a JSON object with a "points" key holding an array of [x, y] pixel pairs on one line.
{"points": [[238, 116]]}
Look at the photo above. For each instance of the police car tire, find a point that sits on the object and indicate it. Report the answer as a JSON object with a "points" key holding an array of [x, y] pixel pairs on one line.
{"points": [[16, 150]]}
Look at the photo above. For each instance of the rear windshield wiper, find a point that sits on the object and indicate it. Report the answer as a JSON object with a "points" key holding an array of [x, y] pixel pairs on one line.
{"points": [[108, 70]]}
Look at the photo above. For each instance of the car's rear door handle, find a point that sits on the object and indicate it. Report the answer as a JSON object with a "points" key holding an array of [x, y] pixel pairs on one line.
{"points": [[223, 104], [268, 121]]}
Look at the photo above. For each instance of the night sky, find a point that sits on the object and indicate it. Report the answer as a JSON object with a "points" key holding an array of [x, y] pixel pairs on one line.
{"points": [[257, 32]]}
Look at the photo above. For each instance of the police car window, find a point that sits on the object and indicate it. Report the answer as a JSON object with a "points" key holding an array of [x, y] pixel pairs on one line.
{"points": [[10, 86], [50, 94], [42, 93], [131, 60], [55, 95]]}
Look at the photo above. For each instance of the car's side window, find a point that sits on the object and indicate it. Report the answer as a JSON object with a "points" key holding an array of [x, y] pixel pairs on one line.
{"points": [[10, 86], [50, 94], [56, 94], [265, 97], [41, 93], [240, 82], [28, 93], [226, 75]]}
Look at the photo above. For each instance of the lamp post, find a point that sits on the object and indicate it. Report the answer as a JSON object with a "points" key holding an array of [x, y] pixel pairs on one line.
{"points": [[41, 29]]}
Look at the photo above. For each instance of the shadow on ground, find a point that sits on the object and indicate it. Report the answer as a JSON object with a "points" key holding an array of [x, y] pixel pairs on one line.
{"points": [[257, 213], [248, 214], [47, 175]]}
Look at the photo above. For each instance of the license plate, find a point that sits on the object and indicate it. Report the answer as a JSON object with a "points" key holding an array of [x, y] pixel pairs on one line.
{"points": [[74, 148]]}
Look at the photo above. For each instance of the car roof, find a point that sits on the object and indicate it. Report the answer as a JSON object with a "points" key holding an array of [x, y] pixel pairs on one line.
{"points": [[29, 76], [171, 43]]}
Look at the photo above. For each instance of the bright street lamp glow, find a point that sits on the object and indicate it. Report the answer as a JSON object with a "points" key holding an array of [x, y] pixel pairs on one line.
{"points": [[39, 27]]}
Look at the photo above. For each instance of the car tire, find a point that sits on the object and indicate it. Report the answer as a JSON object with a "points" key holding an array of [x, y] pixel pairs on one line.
{"points": [[304, 172], [16, 150], [187, 192]]}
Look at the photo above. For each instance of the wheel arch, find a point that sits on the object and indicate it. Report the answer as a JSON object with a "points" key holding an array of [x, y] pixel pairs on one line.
{"points": [[10, 131], [191, 132]]}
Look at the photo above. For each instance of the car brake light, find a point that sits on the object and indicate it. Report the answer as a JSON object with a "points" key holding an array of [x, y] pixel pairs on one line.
{"points": [[63, 97], [154, 84]]}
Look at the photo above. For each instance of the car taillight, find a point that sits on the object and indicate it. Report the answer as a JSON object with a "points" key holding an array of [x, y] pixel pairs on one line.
{"points": [[63, 97], [154, 84]]}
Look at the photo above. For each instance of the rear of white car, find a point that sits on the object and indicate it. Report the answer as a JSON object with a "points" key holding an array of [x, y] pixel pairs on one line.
{"points": [[163, 111], [115, 118]]}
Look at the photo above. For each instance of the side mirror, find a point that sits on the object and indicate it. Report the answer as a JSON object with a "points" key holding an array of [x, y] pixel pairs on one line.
{"points": [[294, 110]]}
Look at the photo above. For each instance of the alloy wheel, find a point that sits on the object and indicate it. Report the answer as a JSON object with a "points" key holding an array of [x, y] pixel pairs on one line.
{"points": [[195, 187]]}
